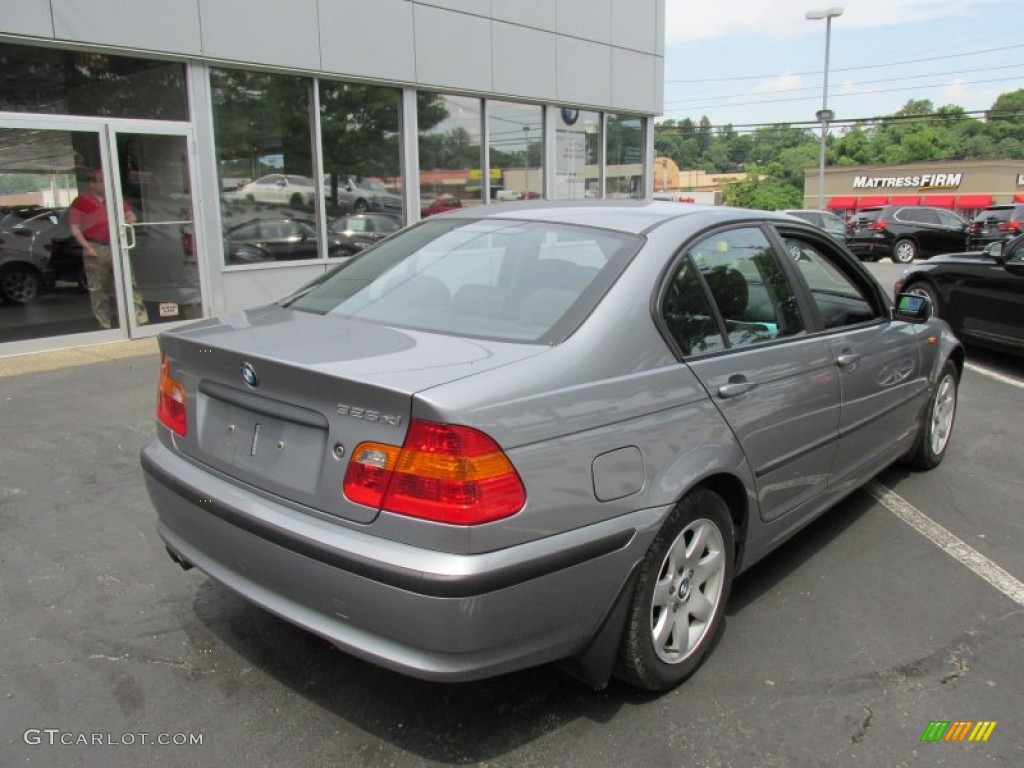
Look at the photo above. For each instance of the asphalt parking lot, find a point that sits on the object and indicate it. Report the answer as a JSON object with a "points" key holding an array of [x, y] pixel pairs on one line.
{"points": [[839, 649]]}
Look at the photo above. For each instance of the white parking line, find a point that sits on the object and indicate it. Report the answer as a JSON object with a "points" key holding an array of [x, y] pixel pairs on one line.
{"points": [[995, 375], [947, 542]]}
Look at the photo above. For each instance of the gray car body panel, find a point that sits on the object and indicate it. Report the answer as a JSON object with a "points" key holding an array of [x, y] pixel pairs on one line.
{"points": [[607, 429]]}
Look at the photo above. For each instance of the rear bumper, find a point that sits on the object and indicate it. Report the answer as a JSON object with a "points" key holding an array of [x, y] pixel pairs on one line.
{"points": [[433, 615]]}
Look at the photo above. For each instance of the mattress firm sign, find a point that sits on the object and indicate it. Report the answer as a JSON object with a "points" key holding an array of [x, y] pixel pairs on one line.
{"points": [[923, 182]]}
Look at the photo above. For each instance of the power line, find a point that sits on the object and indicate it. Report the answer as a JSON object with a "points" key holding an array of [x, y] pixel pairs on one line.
{"points": [[852, 122], [848, 69], [833, 96], [817, 89]]}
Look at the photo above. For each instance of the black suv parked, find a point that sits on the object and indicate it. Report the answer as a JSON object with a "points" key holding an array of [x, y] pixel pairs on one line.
{"points": [[996, 224], [831, 223], [905, 232]]}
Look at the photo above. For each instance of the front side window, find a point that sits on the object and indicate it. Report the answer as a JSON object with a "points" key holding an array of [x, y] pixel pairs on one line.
{"points": [[506, 280], [732, 280], [840, 300]]}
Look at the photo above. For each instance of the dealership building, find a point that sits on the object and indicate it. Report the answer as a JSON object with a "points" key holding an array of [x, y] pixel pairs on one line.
{"points": [[963, 186], [240, 148]]}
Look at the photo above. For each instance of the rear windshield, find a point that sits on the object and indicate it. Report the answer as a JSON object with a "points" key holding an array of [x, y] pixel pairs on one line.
{"points": [[868, 214], [996, 214], [484, 278]]}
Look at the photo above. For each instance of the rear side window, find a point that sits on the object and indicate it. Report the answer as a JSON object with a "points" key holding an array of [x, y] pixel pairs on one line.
{"points": [[730, 291], [496, 279]]}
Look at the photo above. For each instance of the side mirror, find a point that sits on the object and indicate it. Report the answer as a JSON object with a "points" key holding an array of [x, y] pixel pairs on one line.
{"points": [[912, 308], [994, 251]]}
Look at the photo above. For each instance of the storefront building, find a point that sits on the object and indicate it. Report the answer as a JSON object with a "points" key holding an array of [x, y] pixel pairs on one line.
{"points": [[962, 186], [237, 150]]}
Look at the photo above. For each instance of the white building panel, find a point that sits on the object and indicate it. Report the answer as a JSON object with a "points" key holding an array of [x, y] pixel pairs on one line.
{"points": [[633, 80], [539, 14], [147, 24], [524, 61], [368, 39], [477, 7], [634, 24], [250, 288], [463, 60], [276, 33], [32, 18], [589, 19], [584, 72]]}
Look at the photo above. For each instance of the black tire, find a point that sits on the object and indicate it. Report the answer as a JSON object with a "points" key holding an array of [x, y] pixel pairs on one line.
{"points": [[296, 201], [928, 291], [19, 284], [360, 206], [939, 418], [672, 592], [904, 251]]}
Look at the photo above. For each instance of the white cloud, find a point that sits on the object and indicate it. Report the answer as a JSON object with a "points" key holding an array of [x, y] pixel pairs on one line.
{"points": [[969, 97], [692, 20], [779, 84]]}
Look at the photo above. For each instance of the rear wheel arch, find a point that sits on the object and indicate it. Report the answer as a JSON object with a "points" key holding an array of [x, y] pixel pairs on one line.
{"points": [[732, 491], [677, 608]]}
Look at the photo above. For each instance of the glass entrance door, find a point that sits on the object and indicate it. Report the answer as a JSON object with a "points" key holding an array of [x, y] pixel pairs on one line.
{"points": [[155, 210]]}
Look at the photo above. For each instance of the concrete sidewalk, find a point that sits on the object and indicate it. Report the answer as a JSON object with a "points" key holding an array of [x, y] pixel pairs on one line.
{"points": [[68, 358]]}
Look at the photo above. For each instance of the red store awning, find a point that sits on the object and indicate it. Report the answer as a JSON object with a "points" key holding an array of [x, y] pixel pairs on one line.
{"points": [[842, 203], [871, 201], [906, 200], [974, 201], [939, 201]]}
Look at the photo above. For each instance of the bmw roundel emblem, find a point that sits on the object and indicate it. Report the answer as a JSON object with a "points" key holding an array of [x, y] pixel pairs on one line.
{"points": [[249, 375]]}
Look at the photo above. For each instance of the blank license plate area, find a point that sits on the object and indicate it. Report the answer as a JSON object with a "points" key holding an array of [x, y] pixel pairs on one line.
{"points": [[259, 447]]}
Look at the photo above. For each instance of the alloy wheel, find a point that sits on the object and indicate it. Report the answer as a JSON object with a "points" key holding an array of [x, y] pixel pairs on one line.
{"points": [[688, 591]]}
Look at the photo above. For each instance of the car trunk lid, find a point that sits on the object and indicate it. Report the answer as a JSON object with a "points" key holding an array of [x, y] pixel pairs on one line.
{"points": [[279, 399]]}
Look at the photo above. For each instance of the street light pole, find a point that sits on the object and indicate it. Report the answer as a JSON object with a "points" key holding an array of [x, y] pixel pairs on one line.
{"points": [[824, 114]]}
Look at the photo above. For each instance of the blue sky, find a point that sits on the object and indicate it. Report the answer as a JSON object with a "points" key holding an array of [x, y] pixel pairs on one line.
{"points": [[761, 61]]}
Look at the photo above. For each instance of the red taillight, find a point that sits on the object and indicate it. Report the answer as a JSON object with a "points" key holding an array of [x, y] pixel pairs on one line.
{"points": [[445, 473], [877, 225], [1013, 225], [170, 400]]}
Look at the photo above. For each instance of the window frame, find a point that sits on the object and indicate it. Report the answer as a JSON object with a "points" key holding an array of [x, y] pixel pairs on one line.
{"points": [[847, 265], [775, 231], [811, 320]]}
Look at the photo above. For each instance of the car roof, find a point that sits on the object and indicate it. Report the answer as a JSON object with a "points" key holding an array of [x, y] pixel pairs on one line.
{"points": [[632, 216]]}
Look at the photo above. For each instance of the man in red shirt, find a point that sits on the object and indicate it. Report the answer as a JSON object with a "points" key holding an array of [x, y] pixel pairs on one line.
{"points": [[90, 227]]}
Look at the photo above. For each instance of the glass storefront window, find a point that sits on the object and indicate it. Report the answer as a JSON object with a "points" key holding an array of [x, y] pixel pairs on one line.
{"points": [[516, 135], [625, 142], [577, 154], [360, 134], [263, 140], [58, 82], [450, 146]]}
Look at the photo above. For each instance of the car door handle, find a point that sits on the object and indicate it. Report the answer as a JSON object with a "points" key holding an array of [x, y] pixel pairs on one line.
{"points": [[846, 359], [736, 386]]}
